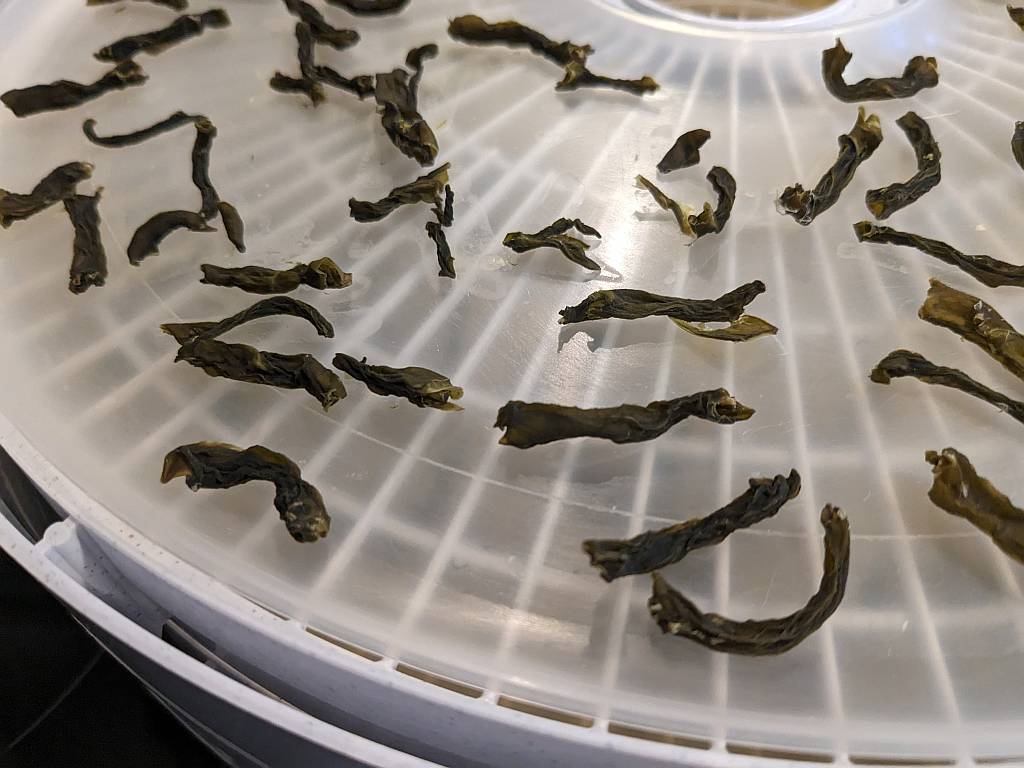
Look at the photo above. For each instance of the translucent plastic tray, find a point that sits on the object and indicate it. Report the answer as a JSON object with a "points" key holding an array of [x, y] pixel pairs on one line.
{"points": [[463, 557]]}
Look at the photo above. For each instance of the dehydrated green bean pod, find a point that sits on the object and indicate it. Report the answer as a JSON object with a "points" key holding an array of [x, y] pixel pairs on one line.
{"points": [[234, 227], [554, 236], [979, 323], [1017, 140], [211, 204], [710, 220], [323, 32], [804, 205], [322, 274], [445, 260], [1016, 14], [241, 362], [919, 73], [158, 41], [370, 7], [219, 465], [89, 258], [713, 220], [65, 94], [573, 57], [886, 201], [444, 216], [360, 85], [59, 184], [278, 305], [147, 238], [206, 132], [308, 81], [984, 269], [397, 99], [420, 386], [685, 151], [473, 29], [958, 489], [428, 188], [678, 615], [176, 120], [652, 550], [904, 363], [632, 304], [312, 89], [530, 424], [578, 76]]}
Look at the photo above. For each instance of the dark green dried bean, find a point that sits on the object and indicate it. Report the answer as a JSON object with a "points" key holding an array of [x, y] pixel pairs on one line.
{"points": [[234, 227], [361, 85], [370, 7], [554, 236], [957, 489], [972, 319], [65, 94], [59, 184], [240, 362], [685, 151], [632, 304], [219, 465], [904, 363], [920, 72], [147, 238], [157, 41], [445, 260], [854, 148], [420, 386], [1017, 141], [473, 29], [321, 274], [429, 188], [678, 615], [984, 269], [89, 258], [312, 89], [530, 424], [652, 550], [710, 220], [578, 76], [1016, 14], [323, 32], [398, 104], [176, 120], [886, 201], [206, 132], [278, 305]]}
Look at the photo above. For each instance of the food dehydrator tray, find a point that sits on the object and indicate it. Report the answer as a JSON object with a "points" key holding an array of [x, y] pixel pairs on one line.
{"points": [[456, 555]]}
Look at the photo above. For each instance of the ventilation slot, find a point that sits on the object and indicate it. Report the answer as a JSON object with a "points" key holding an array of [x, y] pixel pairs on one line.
{"points": [[662, 737], [779, 754], [901, 761], [370, 655], [441, 682], [570, 718]]}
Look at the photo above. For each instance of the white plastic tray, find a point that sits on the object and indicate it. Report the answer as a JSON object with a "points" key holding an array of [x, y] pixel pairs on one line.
{"points": [[462, 557]]}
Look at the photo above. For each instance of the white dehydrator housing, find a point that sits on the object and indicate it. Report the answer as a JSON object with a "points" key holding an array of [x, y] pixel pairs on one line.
{"points": [[450, 617]]}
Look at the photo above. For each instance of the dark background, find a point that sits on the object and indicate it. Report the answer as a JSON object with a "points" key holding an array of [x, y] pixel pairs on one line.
{"points": [[63, 700]]}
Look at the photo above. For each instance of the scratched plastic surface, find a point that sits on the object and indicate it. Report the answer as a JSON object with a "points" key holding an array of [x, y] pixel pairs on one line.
{"points": [[458, 555]]}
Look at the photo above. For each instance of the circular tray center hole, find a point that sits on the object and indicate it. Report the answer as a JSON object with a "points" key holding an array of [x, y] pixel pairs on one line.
{"points": [[739, 10]]}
